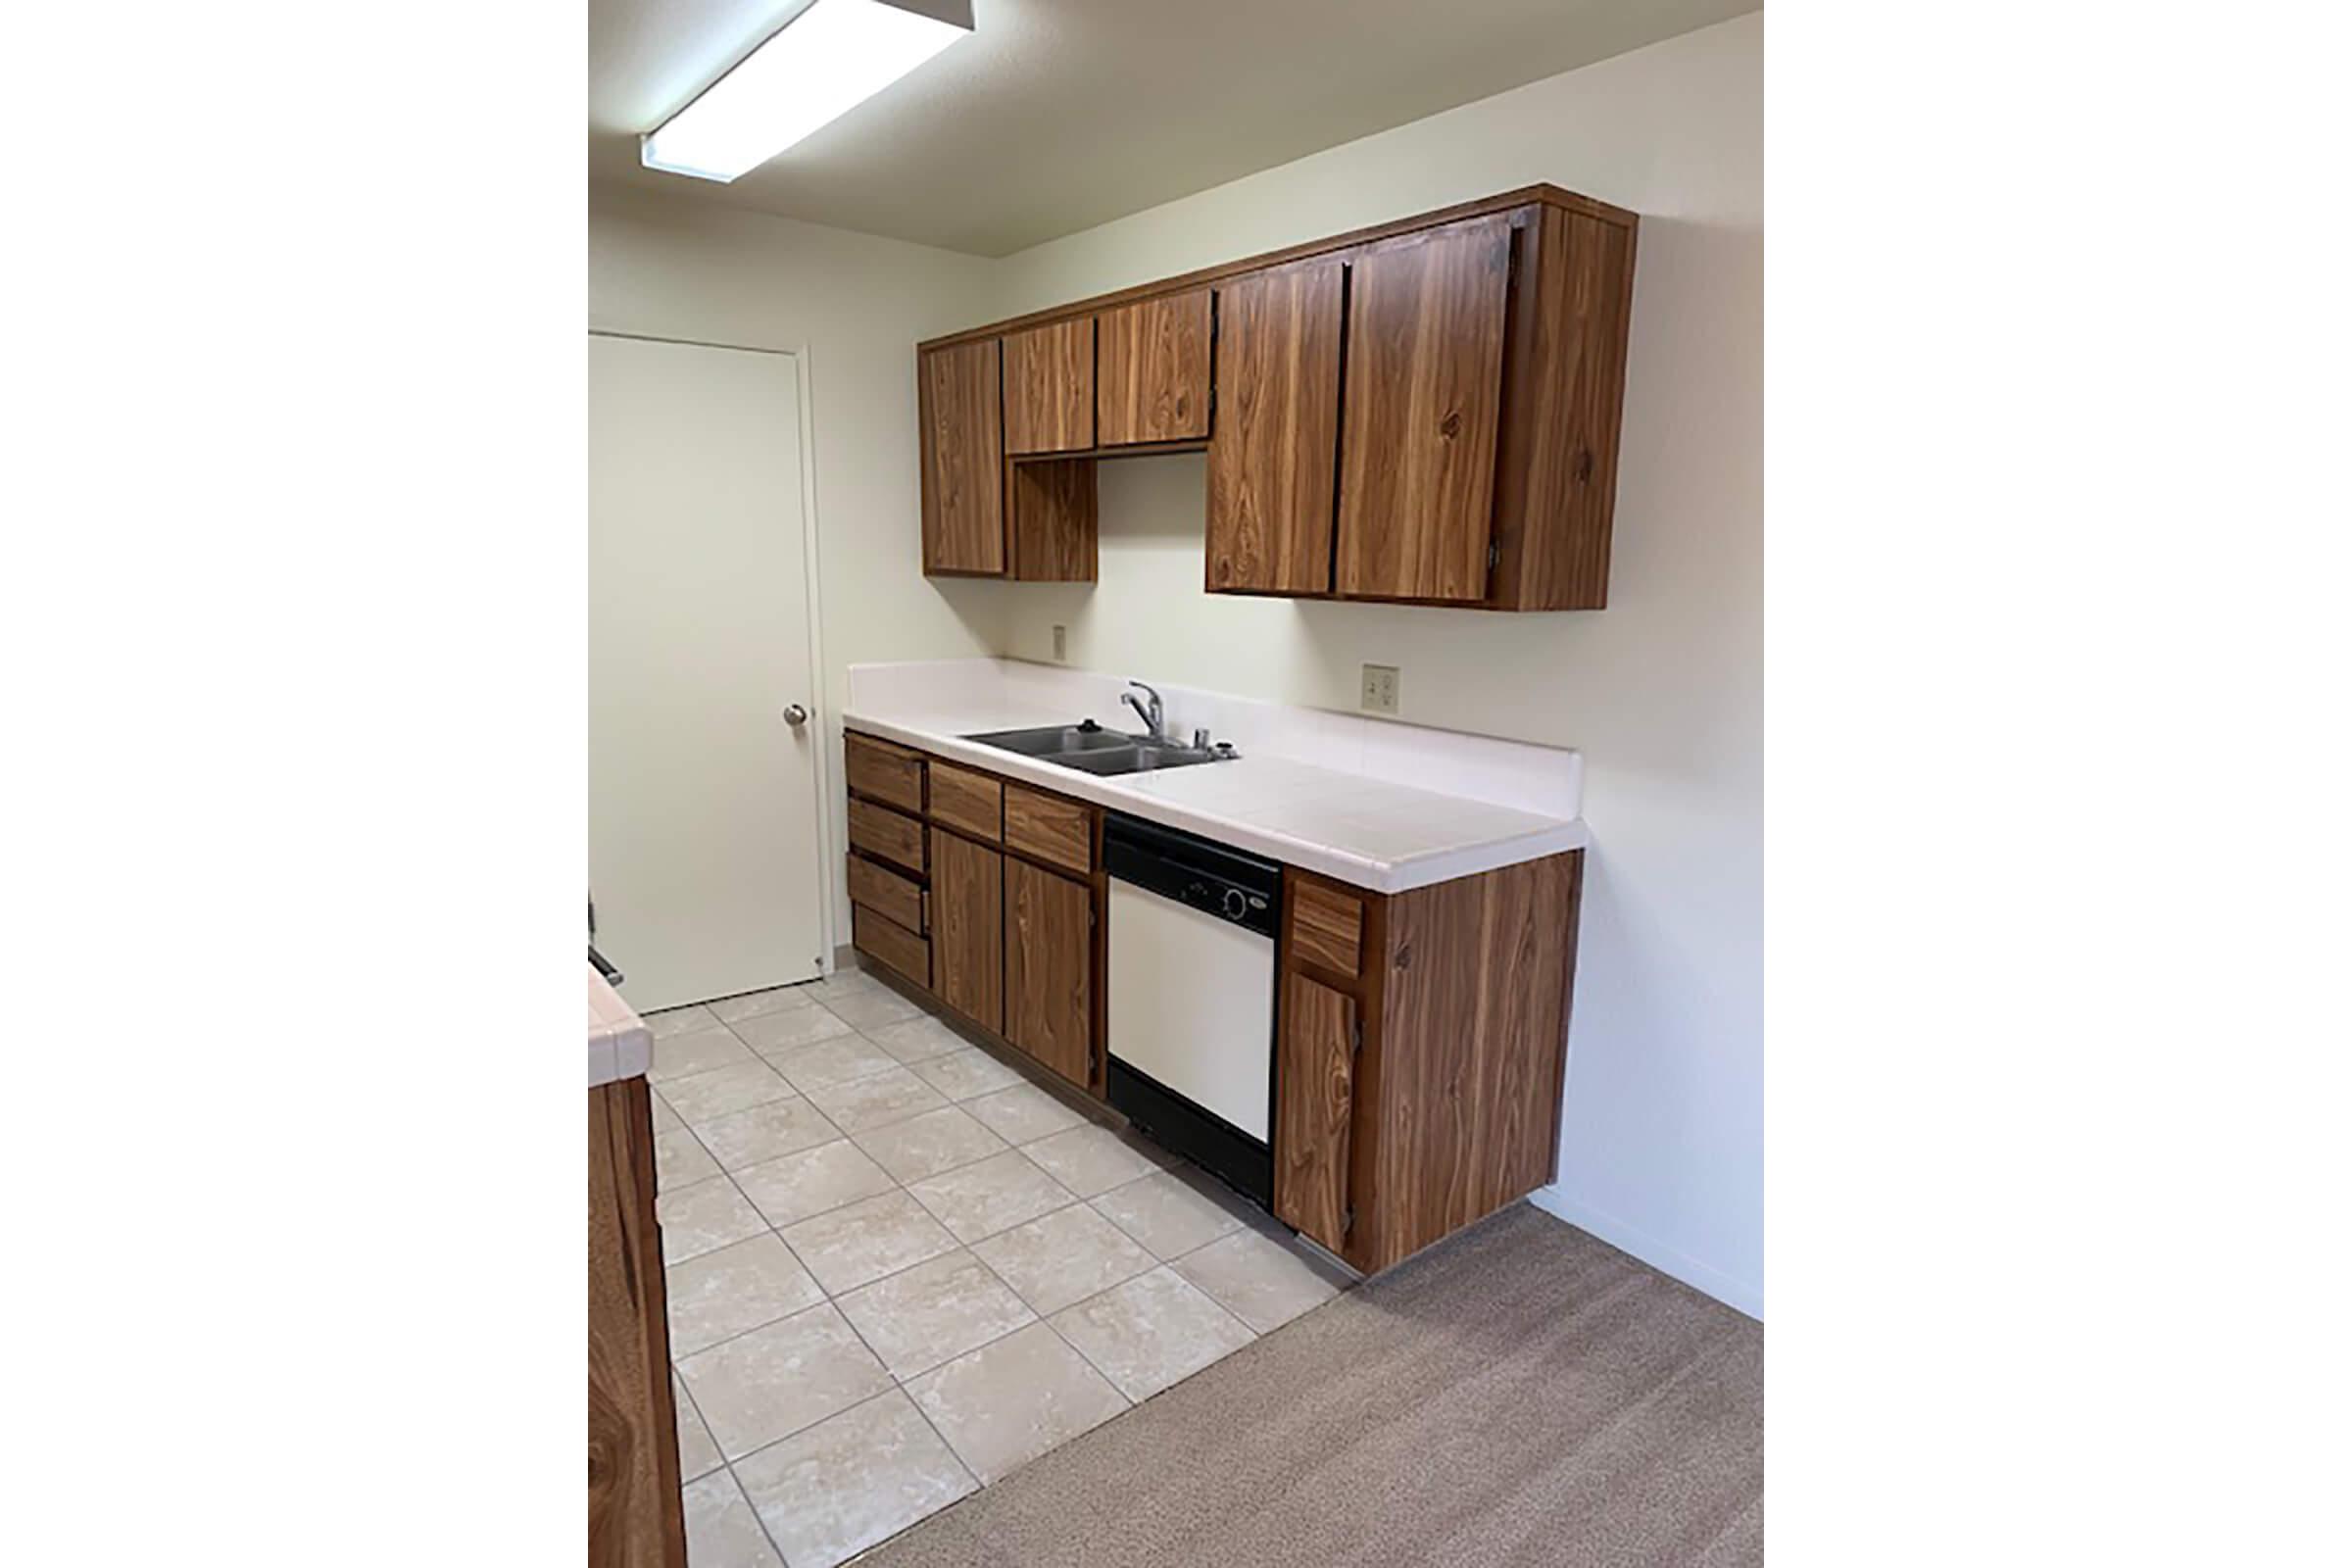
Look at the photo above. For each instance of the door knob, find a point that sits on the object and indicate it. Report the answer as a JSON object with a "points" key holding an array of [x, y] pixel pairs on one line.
{"points": [[795, 714]]}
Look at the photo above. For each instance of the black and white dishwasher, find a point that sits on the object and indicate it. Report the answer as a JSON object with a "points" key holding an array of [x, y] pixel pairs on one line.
{"points": [[1191, 996]]}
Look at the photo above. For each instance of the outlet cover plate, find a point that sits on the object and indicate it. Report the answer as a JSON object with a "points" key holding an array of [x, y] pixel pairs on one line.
{"points": [[1380, 689]]}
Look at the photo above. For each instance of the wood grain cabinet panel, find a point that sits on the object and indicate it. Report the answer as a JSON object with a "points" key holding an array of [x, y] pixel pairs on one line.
{"points": [[1048, 968], [892, 897], [1327, 926], [967, 928], [1055, 512], [963, 459], [1153, 371], [1049, 388], [881, 772], [891, 945], [1050, 828], [1315, 1110], [966, 799], [1422, 410], [635, 1516], [885, 835], [1270, 465]]}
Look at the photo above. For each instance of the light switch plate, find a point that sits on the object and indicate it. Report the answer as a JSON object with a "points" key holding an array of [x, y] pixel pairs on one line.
{"points": [[1380, 689]]}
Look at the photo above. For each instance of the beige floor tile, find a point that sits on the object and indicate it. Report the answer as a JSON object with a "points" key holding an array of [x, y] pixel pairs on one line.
{"points": [[704, 1217], [789, 1030], [697, 1051], [765, 1132], [697, 1455], [866, 1240], [997, 1193], [933, 1312], [926, 1145], [1152, 1332], [1002, 1405], [1173, 1212], [872, 1009], [876, 1101], [733, 1288], [806, 1184], [852, 1480], [966, 1074], [666, 1120], [918, 1038], [782, 998], [709, 1095], [1023, 1115], [1065, 1257], [773, 1381], [832, 1062], [1261, 1279], [1091, 1160], [721, 1529], [678, 1021], [774, 1033], [681, 1161]]}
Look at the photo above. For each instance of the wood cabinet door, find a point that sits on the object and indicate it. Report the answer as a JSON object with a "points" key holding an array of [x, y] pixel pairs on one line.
{"points": [[1151, 370], [1270, 463], [1314, 1108], [1050, 968], [1049, 387], [963, 459], [967, 928], [1424, 399]]}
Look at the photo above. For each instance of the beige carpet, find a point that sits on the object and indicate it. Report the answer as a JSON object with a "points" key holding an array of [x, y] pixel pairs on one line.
{"points": [[1519, 1393]]}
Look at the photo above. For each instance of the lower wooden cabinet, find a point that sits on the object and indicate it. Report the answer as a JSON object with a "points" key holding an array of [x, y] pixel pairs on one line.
{"points": [[1316, 1067], [1048, 968], [635, 1516], [967, 928]]}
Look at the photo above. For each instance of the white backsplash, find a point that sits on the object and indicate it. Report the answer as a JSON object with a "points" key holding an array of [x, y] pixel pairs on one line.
{"points": [[1548, 779]]}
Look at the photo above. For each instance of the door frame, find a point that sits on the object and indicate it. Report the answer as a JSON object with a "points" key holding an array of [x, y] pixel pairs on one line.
{"points": [[830, 852]]}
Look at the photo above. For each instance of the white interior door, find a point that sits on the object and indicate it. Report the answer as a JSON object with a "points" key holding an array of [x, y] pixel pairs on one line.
{"points": [[704, 841]]}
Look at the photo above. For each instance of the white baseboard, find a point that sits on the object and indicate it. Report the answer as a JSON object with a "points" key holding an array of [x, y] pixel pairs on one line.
{"points": [[1737, 1294]]}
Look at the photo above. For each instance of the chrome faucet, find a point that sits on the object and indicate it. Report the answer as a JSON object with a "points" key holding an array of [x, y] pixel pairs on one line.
{"points": [[1154, 715]]}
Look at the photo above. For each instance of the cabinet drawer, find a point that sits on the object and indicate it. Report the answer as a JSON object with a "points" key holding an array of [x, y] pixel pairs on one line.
{"points": [[1050, 828], [969, 801], [891, 945], [886, 892], [882, 772], [885, 835], [1327, 927]]}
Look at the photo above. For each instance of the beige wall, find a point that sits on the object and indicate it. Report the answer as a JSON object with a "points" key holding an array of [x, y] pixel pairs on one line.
{"points": [[858, 304], [1663, 1147]]}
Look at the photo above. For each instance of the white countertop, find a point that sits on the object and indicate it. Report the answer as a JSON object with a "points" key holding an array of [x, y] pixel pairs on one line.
{"points": [[620, 1045], [1368, 832]]}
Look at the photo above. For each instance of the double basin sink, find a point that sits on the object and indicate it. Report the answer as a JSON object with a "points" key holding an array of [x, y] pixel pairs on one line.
{"points": [[1088, 748]]}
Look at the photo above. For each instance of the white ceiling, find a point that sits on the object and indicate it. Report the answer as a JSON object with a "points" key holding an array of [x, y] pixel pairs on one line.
{"points": [[1058, 115]]}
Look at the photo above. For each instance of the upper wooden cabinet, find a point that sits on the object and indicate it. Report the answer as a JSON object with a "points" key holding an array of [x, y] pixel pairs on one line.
{"points": [[1423, 402], [1151, 370], [963, 459], [1469, 458], [1271, 466], [1049, 388]]}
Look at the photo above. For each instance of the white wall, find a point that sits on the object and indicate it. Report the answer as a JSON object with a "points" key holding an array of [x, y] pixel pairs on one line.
{"points": [[1662, 1151], [859, 303]]}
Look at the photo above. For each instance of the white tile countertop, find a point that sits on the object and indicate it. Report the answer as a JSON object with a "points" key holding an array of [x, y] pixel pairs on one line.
{"points": [[620, 1045], [1411, 808]]}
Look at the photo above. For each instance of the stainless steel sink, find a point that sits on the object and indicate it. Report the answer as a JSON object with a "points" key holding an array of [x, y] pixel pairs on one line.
{"points": [[1090, 749]]}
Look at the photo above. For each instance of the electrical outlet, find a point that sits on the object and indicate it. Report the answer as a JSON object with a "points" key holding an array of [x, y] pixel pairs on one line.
{"points": [[1061, 645], [1380, 689]]}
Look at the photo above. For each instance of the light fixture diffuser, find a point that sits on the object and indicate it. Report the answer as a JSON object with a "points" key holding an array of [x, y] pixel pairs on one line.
{"points": [[824, 62]]}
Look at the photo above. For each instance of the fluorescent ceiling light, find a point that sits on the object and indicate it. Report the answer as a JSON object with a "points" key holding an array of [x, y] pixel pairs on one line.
{"points": [[823, 63]]}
